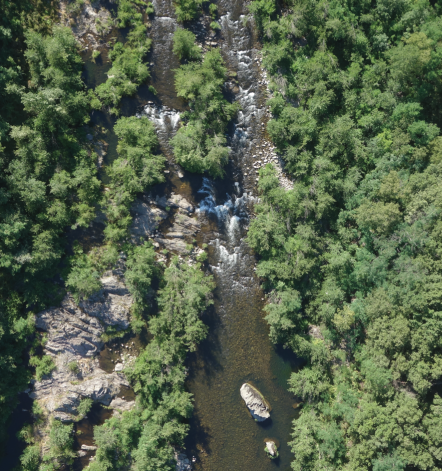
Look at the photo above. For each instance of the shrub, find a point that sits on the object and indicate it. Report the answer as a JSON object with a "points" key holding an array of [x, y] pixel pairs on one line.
{"points": [[43, 366], [184, 45]]}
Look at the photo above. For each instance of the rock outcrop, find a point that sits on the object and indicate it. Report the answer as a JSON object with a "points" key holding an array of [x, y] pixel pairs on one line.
{"points": [[255, 402], [77, 329], [271, 449], [149, 212], [146, 218], [73, 339], [182, 462], [90, 21]]}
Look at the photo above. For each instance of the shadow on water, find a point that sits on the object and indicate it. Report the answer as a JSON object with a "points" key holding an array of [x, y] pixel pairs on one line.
{"points": [[84, 434], [14, 447]]}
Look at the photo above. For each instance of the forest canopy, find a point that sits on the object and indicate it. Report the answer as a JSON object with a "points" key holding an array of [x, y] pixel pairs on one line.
{"points": [[351, 256]]}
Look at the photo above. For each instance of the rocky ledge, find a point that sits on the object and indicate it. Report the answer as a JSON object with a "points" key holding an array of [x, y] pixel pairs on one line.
{"points": [[148, 213], [73, 339], [255, 402]]}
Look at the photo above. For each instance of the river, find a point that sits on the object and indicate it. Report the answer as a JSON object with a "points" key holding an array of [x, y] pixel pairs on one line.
{"points": [[222, 436]]}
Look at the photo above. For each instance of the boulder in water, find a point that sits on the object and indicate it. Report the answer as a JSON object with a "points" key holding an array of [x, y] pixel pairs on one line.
{"points": [[271, 449], [255, 402]]}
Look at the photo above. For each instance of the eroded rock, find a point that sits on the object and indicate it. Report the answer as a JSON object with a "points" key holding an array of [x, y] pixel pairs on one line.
{"points": [[255, 402], [78, 329], [73, 338], [271, 448], [146, 218], [121, 405], [182, 462]]}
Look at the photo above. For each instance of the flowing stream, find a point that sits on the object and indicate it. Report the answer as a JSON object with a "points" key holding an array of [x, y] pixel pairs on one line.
{"points": [[223, 436]]}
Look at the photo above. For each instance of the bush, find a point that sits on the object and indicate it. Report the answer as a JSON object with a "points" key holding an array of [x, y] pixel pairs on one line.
{"points": [[84, 407], [136, 168], [184, 45], [83, 279], [73, 367], [200, 145], [43, 366], [187, 10]]}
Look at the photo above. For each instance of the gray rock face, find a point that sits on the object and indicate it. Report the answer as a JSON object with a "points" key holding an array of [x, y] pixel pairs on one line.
{"points": [[185, 225], [146, 218], [78, 331], [271, 447], [182, 462], [74, 336], [175, 245], [121, 405], [175, 201], [88, 447], [255, 402], [85, 26]]}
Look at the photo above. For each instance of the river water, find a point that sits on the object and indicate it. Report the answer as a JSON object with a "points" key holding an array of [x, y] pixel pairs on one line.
{"points": [[223, 436]]}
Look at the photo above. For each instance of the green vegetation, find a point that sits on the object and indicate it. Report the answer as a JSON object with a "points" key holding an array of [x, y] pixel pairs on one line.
{"points": [[47, 178], [128, 69], [354, 248], [188, 10], [144, 438], [73, 367], [95, 55], [83, 279], [43, 366], [200, 145], [136, 168], [59, 455], [84, 407], [184, 45]]}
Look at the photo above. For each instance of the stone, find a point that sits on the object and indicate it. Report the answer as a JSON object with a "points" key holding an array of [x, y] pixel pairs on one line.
{"points": [[255, 402], [173, 245], [78, 329], [146, 218], [185, 225], [271, 448], [74, 336], [88, 447], [119, 367], [174, 201], [121, 405]]}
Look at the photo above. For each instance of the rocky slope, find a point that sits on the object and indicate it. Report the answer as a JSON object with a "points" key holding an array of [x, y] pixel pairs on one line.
{"points": [[73, 341]]}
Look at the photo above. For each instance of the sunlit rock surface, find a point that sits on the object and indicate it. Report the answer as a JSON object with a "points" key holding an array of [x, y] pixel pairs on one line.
{"points": [[255, 402]]}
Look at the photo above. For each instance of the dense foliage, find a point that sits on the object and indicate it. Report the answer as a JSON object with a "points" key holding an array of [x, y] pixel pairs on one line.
{"points": [[47, 179], [128, 69], [145, 438], [200, 145], [184, 45], [187, 10], [136, 168], [351, 255]]}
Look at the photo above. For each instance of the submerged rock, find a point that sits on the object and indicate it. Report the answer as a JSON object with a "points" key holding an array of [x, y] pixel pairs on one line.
{"points": [[88, 447], [255, 402]]}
